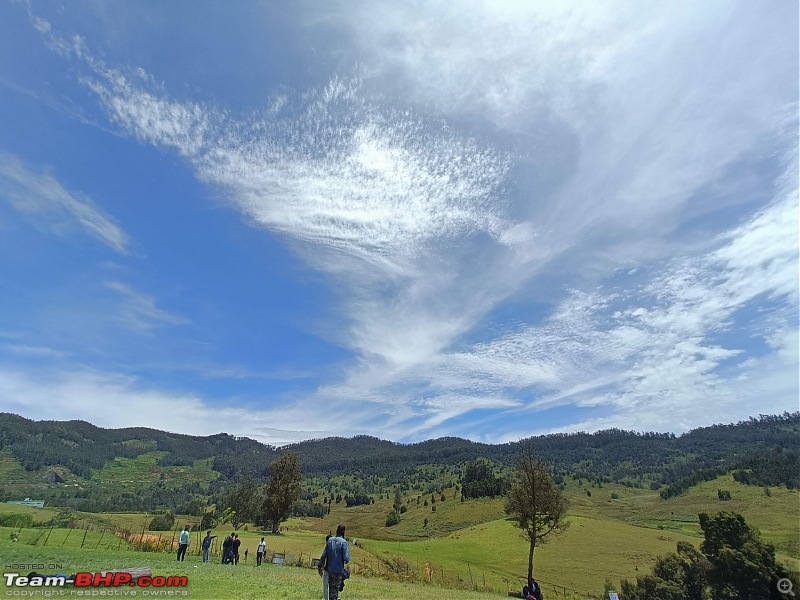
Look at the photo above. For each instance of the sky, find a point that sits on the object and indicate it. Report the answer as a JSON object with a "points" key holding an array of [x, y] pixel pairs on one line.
{"points": [[408, 220]]}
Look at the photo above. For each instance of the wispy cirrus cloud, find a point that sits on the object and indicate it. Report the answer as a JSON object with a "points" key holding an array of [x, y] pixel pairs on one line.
{"points": [[33, 351], [490, 151], [42, 199], [138, 311], [373, 196], [376, 184], [628, 109], [663, 349]]}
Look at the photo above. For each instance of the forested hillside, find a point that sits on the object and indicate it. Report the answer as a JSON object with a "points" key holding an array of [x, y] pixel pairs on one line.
{"points": [[78, 464]]}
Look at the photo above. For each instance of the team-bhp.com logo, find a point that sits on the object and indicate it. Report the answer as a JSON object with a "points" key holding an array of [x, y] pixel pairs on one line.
{"points": [[89, 582]]}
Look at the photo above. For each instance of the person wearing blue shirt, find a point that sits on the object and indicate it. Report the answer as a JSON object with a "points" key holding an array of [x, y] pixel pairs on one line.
{"points": [[207, 546], [324, 575], [333, 561]]}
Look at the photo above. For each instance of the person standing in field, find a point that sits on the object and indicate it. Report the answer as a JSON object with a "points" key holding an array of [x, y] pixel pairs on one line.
{"points": [[262, 547], [207, 546], [235, 548], [333, 561], [226, 549], [324, 574], [183, 543]]}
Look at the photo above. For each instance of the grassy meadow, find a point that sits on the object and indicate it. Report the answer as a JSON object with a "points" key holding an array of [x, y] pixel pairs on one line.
{"points": [[614, 533], [214, 581]]}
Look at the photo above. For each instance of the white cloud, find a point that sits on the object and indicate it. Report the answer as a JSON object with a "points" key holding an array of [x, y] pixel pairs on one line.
{"points": [[150, 117], [111, 400], [651, 356], [631, 107], [594, 131], [139, 312], [339, 172], [33, 351], [43, 200]]}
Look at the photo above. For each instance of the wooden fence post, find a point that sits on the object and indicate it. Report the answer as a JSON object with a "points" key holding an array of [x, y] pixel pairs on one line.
{"points": [[48, 537]]}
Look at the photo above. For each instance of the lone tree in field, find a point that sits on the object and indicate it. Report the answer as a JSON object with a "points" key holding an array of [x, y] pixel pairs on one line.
{"points": [[535, 502], [283, 489]]}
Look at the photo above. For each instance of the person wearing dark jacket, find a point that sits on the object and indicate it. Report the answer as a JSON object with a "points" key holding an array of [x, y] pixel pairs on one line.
{"points": [[532, 590], [226, 549], [235, 548]]}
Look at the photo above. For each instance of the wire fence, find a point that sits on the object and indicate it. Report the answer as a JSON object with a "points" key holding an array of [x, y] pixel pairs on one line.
{"points": [[473, 577], [87, 535]]}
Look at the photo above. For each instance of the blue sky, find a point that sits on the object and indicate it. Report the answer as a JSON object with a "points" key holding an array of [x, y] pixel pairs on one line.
{"points": [[403, 219]]}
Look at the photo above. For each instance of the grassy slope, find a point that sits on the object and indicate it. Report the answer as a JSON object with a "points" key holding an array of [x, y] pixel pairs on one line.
{"points": [[121, 473], [467, 542], [15, 477], [144, 468], [10, 467], [40, 515], [608, 537], [775, 516], [580, 559], [214, 581]]}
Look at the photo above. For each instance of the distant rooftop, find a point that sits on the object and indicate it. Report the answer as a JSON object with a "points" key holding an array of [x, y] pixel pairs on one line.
{"points": [[28, 502]]}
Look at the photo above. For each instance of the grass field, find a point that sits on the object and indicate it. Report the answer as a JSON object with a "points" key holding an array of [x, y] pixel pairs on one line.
{"points": [[776, 516], [488, 556], [467, 544], [40, 515], [590, 551], [214, 581]]}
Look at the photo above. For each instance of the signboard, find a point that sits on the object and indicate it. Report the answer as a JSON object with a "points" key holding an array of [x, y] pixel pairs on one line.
{"points": [[278, 559], [613, 596]]}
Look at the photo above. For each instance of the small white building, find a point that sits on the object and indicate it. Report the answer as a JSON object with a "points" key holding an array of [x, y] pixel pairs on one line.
{"points": [[28, 502]]}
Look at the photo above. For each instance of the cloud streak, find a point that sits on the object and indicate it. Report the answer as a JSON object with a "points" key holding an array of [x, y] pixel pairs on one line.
{"points": [[139, 312], [46, 203], [556, 157]]}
